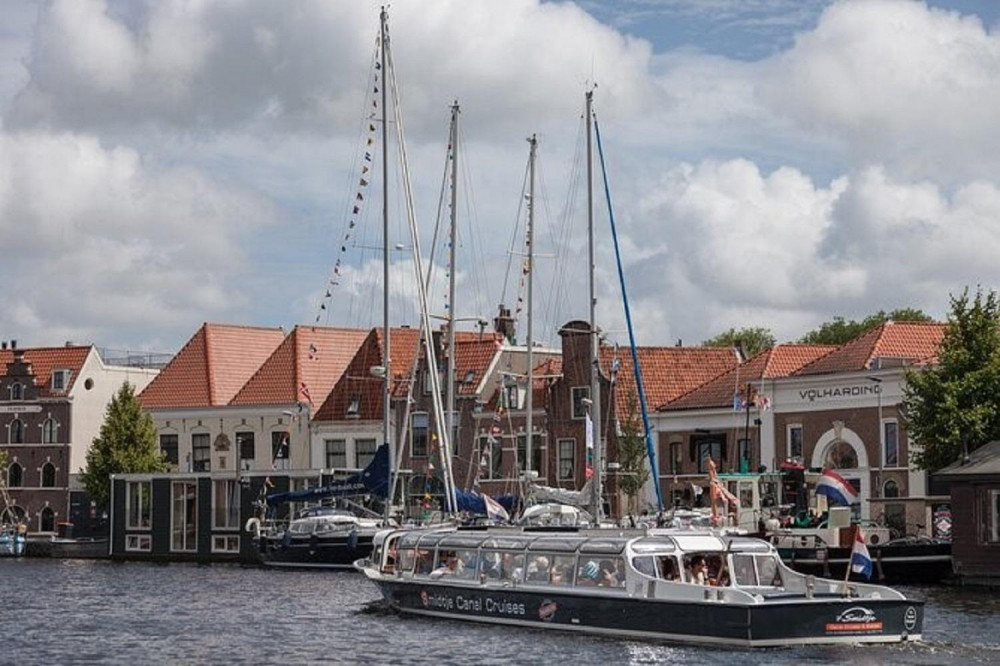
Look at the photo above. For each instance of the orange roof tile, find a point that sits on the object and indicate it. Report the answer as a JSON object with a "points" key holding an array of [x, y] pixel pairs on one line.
{"points": [[667, 372], [902, 340], [779, 361], [357, 382], [46, 359], [212, 367], [472, 359], [314, 356]]}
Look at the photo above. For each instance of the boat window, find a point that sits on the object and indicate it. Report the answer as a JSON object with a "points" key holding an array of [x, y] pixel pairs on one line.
{"points": [[768, 571], [653, 545], [538, 569], [466, 563], [561, 572], [489, 564], [704, 569], [303, 527], [603, 546], [603, 572], [461, 541], [430, 539], [666, 566], [506, 543], [744, 571], [424, 561], [645, 565], [410, 540], [503, 566], [448, 564], [406, 559], [557, 544]]}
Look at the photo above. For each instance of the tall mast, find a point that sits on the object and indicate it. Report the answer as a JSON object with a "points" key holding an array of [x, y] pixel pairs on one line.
{"points": [[387, 379], [595, 371], [529, 398], [450, 416]]}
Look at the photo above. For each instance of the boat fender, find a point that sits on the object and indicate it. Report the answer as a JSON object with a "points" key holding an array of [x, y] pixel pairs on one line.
{"points": [[352, 540], [253, 525]]}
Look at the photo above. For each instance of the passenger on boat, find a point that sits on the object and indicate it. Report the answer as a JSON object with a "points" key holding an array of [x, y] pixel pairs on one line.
{"points": [[425, 562], [668, 568], [538, 569], [610, 576], [449, 565], [699, 571], [589, 574], [560, 575]]}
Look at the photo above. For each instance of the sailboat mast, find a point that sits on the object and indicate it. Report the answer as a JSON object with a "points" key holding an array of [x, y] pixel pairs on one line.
{"points": [[387, 379], [595, 371], [529, 398], [450, 416]]}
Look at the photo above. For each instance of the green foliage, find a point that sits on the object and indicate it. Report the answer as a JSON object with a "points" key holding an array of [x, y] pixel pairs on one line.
{"points": [[754, 340], [126, 445], [634, 467], [841, 330], [959, 398]]}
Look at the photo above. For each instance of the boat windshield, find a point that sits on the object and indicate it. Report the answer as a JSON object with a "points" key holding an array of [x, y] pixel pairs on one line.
{"points": [[757, 570]]}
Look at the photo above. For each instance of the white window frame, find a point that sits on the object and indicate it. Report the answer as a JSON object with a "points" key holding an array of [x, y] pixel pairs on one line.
{"points": [[676, 461], [50, 431], [145, 487], [559, 446], [185, 547], [358, 454], [225, 543], [788, 440], [232, 513], [885, 443], [572, 401], [207, 459], [63, 381], [427, 435], [17, 391], [238, 446], [138, 543], [41, 474], [326, 452]]}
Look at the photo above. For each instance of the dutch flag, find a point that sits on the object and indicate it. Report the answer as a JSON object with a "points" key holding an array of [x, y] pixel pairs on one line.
{"points": [[836, 488], [861, 561], [494, 510]]}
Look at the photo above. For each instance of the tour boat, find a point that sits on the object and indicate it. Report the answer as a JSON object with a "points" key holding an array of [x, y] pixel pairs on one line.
{"points": [[632, 584]]}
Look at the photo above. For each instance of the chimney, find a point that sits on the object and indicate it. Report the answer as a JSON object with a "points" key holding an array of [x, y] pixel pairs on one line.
{"points": [[3, 345], [503, 324], [13, 344]]}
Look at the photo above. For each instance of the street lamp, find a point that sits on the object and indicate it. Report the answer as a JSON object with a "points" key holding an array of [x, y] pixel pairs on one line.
{"points": [[881, 434]]}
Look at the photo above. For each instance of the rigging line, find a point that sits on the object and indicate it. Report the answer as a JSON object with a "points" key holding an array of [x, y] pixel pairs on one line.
{"points": [[437, 219], [472, 220], [650, 447], [513, 238]]}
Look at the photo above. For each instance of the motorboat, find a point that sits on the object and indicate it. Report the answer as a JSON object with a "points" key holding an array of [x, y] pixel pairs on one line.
{"points": [[690, 586], [319, 537]]}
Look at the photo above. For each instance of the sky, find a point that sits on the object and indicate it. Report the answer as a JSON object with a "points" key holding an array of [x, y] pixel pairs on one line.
{"points": [[771, 163]]}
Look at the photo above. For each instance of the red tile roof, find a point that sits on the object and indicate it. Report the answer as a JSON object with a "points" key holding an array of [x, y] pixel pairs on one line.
{"points": [[357, 382], [900, 340], [46, 359], [473, 357], [212, 367], [667, 372], [313, 356], [779, 361]]}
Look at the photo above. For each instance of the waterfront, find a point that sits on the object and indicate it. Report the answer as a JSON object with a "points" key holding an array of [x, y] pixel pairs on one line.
{"points": [[75, 611]]}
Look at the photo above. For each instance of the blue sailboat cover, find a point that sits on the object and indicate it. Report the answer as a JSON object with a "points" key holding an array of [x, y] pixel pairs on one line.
{"points": [[372, 480]]}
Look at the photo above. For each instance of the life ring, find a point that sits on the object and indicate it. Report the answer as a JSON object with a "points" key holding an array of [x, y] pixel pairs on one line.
{"points": [[253, 525]]}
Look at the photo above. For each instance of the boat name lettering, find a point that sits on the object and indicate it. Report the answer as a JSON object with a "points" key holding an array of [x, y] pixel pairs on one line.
{"points": [[473, 604], [855, 620], [839, 392]]}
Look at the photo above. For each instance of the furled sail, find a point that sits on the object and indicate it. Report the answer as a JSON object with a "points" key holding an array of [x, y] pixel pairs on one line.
{"points": [[372, 480]]}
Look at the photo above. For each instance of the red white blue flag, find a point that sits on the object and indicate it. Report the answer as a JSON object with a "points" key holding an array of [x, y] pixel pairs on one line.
{"points": [[836, 488], [861, 561]]}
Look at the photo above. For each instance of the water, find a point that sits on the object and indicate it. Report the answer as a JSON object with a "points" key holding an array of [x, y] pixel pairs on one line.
{"points": [[72, 612]]}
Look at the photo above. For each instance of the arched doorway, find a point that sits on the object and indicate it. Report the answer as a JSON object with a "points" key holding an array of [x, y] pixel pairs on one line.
{"points": [[47, 520], [842, 449]]}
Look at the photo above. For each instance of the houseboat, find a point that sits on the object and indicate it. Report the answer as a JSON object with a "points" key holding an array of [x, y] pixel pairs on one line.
{"points": [[685, 586]]}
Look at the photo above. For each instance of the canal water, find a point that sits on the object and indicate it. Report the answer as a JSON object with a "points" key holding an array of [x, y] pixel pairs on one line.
{"points": [[76, 612]]}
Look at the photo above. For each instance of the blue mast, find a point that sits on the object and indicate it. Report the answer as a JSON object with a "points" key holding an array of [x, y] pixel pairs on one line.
{"points": [[650, 448]]}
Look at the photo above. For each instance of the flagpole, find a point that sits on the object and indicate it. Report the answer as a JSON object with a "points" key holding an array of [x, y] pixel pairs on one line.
{"points": [[850, 558]]}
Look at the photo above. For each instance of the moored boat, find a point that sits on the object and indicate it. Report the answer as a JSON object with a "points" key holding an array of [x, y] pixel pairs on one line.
{"points": [[637, 584]]}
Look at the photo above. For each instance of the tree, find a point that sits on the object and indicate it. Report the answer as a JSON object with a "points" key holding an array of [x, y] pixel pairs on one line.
{"points": [[957, 401], [753, 340], [841, 330], [632, 460], [126, 445]]}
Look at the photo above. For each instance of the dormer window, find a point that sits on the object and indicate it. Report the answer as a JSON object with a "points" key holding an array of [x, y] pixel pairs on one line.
{"points": [[17, 391], [60, 380], [469, 376], [354, 407]]}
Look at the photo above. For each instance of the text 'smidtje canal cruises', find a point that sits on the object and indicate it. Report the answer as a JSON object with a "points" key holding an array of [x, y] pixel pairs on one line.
{"points": [[694, 586]]}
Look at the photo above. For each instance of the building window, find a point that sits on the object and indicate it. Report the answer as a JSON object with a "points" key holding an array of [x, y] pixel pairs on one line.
{"points": [[201, 453], [995, 522], [705, 448], [17, 391], [418, 435], [676, 457], [567, 459], [743, 455], [890, 489], [225, 504], [246, 448], [17, 431], [364, 452], [890, 434], [577, 395], [168, 446], [184, 517], [490, 458], [280, 449], [60, 380], [354, 407], [49, 431], [225, 544], [138, 504], [536, 453], [15, 476], [511, 396], [142, 543], [47, 521], [336, 453], [795, 441], [840, 455], [48, 475]]}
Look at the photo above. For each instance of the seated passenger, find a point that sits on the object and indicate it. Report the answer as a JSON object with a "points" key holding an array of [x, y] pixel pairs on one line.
{"points": [[449, 565], [699, 571], [667, 567], [589, 574], [425, 562], [609, 575], [538, 569], [559, 576]]}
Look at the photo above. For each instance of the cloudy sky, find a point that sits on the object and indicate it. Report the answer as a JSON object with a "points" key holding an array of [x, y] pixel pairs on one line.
{"points": [[772, 162]]}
